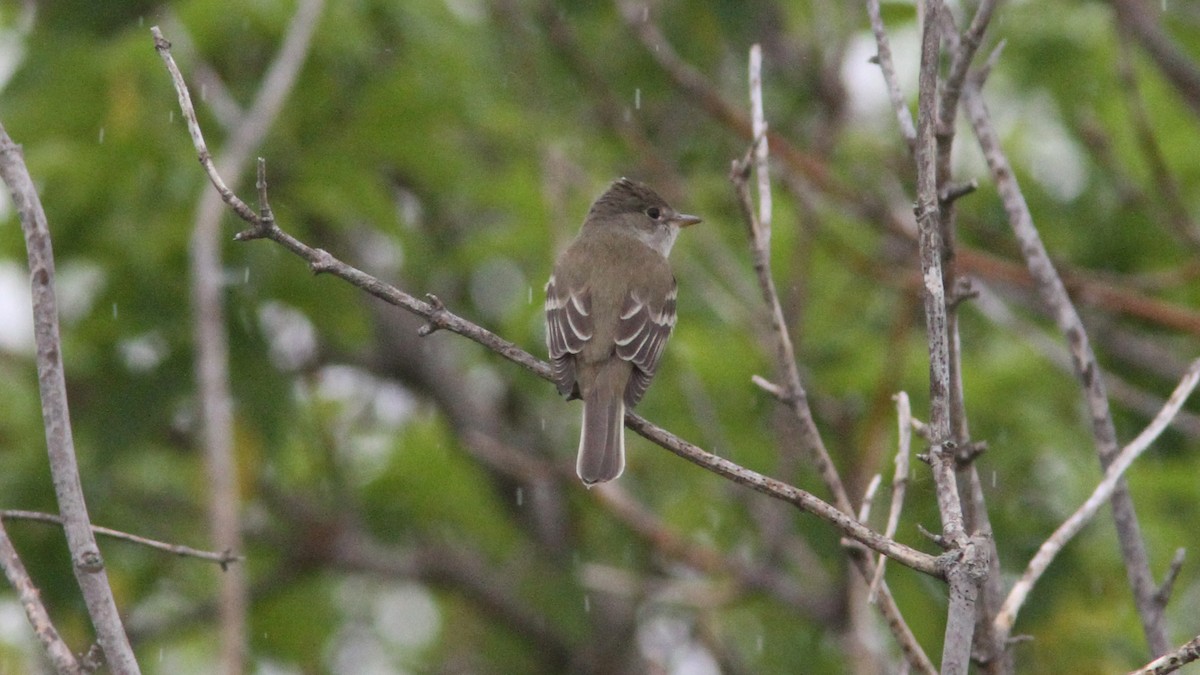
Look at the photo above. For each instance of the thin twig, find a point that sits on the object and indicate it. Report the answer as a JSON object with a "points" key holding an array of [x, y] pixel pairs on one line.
{"points": [[1163, 595], [57, 651], [899, 483], [1176, 66], [888, 66], [1103, 492], [86, 561], [223, 559], [1169, 663], [960, 64], [864, 511], [758, 120], [189, 115]]}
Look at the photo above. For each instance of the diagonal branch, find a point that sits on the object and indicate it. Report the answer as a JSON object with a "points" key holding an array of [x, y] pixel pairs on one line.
{"points": [[59, 653], [883, 56], [1179, 69], [1169, 663], [1052, 292], [1103, 492], [440, 318]]}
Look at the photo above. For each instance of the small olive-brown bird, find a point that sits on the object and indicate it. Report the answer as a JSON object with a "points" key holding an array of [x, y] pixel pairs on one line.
{"points": [[610, 307]]}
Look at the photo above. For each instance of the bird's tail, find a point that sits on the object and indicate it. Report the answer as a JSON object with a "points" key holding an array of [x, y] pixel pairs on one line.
{"points": [[602, 439]]}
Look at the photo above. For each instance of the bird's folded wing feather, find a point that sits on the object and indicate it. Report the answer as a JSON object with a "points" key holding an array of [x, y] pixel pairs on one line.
{"points": [[642, 332], [568, 327]]}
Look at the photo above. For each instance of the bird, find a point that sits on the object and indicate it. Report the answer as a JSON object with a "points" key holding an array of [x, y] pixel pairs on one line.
{"points": [[610, 308]]}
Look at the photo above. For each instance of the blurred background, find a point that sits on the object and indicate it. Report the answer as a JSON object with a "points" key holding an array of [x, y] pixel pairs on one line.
{"points": [[408, 504]]}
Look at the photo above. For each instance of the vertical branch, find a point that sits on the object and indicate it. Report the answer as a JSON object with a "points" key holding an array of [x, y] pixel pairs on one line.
{"points": [[965, 574], [212, 346], [792, 392], [1052, 292], [758, 122], [930, 240], [86, 561], [899, 483]]}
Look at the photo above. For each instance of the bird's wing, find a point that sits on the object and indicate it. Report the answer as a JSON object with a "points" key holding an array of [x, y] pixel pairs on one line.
{"points": [[642, 331], [568, 327]]}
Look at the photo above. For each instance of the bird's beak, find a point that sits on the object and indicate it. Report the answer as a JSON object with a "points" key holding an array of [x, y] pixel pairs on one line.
{"points": [[684, 220]]}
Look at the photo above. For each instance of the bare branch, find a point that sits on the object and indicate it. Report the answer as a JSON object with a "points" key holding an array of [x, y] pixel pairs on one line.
{"points": [[1179, 69], [758, 120], [960, 64], [888, 66], [59, 653], [86, 561], [224, 559], [970, 566], [189, 115], [1103, 492], [1164, 589], [441, 318], [1169, 663], [1054, 295], [792, 389], [899, 483]]}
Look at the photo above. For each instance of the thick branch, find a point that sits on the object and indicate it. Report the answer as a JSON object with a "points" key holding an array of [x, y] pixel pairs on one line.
{"points": [[87, 563], [970, 567]]}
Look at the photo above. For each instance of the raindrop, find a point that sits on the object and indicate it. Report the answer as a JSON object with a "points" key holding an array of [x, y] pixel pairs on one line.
{"points": [[520, 496], [171, 116], [760, 644], [543, 424], [637, 98], [101, 135], [204, 92], [114, 310], [531, 295], [246, 276], [587, 604], [993, 479]]}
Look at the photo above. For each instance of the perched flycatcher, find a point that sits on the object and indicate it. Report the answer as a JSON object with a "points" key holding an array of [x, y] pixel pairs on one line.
{"points": [[610, 307]]}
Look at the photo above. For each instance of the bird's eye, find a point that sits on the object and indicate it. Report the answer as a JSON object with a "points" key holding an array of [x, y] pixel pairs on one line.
{"points": [[653, 212]]}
